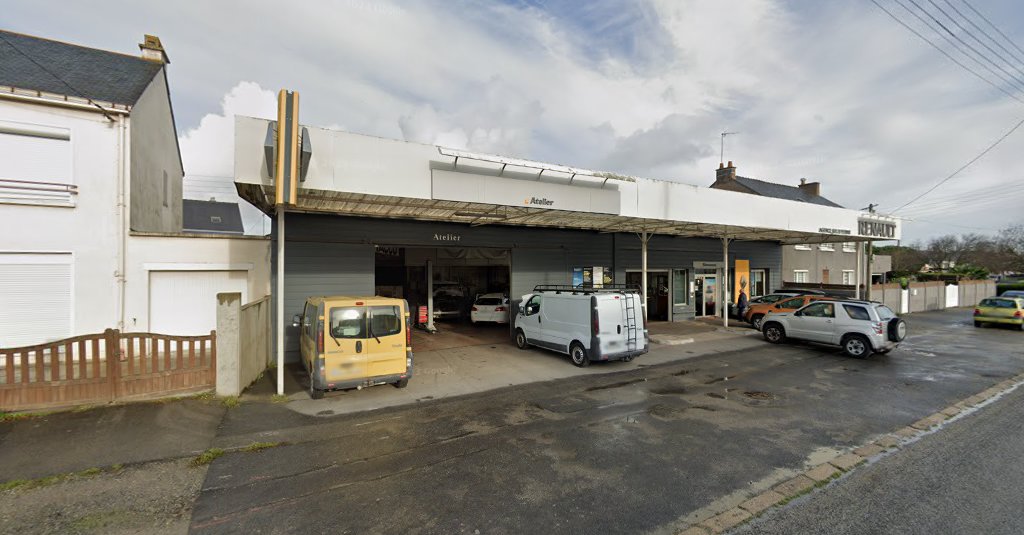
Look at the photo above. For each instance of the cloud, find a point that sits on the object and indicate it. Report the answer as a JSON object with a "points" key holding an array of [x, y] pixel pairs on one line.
{"points": [[835, 92]]}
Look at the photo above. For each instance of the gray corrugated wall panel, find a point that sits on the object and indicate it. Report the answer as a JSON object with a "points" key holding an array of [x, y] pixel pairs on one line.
{"points": [[531, 267], [313, 269]]}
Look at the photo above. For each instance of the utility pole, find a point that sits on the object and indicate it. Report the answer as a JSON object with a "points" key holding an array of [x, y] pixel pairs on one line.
{"points": [[870, 259], [721, 154]]}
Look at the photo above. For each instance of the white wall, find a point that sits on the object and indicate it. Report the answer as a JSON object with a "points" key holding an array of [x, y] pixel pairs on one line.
{"points": [[154, 154], [89, 230], [193, 253], [355, 163]]}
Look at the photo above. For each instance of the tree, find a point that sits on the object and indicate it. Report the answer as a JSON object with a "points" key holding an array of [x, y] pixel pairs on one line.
{"points": [[1011, 242]]}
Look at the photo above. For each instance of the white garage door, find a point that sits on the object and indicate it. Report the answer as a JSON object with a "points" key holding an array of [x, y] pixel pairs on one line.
{"points": [[35, 298], [184, 303]]}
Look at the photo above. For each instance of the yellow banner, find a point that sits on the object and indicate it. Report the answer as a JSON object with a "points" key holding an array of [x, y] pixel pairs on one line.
{"points": [[742, 280]]}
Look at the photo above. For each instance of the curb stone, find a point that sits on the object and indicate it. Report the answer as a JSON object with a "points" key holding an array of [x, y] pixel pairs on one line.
{"points": [[762, 501], [694, 530], [822, 472], [729, 519], [846, 462], [869, 450], [794, 486]]}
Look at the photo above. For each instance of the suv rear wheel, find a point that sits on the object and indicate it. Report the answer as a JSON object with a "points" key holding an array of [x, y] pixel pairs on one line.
{"points": [[756, 320], [897, 330], [857, 346]]}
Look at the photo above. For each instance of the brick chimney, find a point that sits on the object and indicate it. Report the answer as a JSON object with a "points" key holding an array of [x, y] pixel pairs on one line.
{"points": [[725, 173], [152, 50], [812, 188]]}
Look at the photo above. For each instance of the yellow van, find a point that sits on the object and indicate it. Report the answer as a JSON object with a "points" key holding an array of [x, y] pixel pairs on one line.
{"points": [[352, 342]]}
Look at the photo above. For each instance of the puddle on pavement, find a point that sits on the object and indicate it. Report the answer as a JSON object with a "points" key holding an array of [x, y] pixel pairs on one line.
{"points": [[681, 373], [715, 395], [720, 379], [756, 394], [616, 385], [668, 391]]}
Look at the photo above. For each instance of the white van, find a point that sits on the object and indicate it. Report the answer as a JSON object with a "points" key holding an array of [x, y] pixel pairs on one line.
{"points": [[585, 323]]}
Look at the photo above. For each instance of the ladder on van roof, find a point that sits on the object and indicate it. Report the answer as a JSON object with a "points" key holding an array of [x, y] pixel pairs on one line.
{"points": [[631, 326]]}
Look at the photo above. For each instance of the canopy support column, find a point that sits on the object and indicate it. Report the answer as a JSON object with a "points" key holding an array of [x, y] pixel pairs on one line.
{"points": [[644, 238], [280, 299], [430, 296], [725, 282]]}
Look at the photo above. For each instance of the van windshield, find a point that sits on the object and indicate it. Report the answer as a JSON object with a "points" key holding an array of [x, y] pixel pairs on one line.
{"points": [[348, 322]]}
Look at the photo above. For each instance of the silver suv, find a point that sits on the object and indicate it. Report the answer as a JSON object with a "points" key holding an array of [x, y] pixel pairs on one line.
{"points": [[859, 327]]}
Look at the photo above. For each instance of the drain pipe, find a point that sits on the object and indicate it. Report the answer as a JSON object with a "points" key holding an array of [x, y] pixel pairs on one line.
{"points": [[122, 219], [280, 299], [725, 282]]}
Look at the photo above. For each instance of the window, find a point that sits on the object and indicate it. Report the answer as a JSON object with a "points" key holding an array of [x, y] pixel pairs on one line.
{"points": [[758, 282], [795, 302], [680, 286], [385, 321], [489, 301], [41, 173], [885, 313], [848, 277], [827, 247], [348, 322], [857, 313], [799, 275], [819, 310], [802, 247], [308, 319], [849, 247], [533, 305]]}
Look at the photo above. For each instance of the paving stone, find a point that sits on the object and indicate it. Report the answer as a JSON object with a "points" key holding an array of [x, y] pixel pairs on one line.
{"points": [[869, 450], [762, 501], [846, 462], [695, 530], [822, 472], [974, 400], [929, 422], [724, 521], [794, 486], [888, 441], [908, 432], [951, 411]]}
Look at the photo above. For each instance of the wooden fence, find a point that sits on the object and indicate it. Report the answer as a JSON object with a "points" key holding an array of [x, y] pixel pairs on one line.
{"points": [[99, 368]]}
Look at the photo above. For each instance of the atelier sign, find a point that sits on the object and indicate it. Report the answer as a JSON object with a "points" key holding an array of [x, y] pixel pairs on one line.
{"points": [[539, 202], [447, 237], [878, 229]]}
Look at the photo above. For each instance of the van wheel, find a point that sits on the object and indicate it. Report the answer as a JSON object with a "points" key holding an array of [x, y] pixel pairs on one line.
{"points": [[521, 339], [857, 346], [628, 358], [314, 392], [756, 321], [401, 383], [578, 355]]}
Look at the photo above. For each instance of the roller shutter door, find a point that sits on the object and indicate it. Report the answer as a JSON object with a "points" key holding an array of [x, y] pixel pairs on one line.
{"points": [[184, 303], [36, 304]]}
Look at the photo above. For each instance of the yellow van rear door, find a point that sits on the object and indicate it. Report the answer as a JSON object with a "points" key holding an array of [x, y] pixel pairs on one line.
{"points": [[345, 343], [385, 341]]}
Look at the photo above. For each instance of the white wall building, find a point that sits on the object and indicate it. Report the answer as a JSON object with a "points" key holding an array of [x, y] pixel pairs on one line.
{"points": [[90, 200]]}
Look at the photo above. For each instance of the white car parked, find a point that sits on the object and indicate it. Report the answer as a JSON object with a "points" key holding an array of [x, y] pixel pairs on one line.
{"points": [[490, 308], [585, 323], [859, 327]]}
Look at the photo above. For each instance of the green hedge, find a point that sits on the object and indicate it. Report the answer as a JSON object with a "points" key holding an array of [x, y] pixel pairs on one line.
{"points": [[1000, 288]]}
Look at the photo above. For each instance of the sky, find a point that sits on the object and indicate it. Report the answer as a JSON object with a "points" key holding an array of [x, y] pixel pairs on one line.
{"points": [[835, 92]]}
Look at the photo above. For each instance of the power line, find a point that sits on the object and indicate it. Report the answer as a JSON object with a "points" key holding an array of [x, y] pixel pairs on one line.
{"points": [[944, 53], [1000, 32], [946, 38], [972, 36], [994, 41], [965, 166]]}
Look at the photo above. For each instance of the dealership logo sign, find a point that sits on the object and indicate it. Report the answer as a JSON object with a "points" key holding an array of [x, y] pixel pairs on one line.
{"points": [[539, 202], [877, 229], [447, 237]]}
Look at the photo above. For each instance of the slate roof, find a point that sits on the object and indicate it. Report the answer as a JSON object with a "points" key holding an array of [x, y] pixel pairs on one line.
{"points": [[780, 191], [94, 74], [211, 216]]}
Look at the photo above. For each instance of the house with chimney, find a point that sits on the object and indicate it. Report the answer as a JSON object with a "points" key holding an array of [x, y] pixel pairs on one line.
{"points": [[91, 200], [810, 263]]}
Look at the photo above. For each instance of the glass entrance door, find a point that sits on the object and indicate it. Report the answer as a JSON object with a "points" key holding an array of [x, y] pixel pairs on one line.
{"points": [[704, 295]]}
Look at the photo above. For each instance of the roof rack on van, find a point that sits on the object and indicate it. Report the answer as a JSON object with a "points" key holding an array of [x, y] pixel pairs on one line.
{"points": [[607, 288]]}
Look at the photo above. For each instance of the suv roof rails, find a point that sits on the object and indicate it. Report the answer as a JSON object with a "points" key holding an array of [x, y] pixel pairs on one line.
{"points": [[607, 288]]}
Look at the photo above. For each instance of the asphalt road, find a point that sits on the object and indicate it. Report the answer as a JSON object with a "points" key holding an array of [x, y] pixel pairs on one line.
{"points": [[966, 478], [640, 451]]}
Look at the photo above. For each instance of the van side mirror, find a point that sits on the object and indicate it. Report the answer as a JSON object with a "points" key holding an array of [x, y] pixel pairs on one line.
{"points": [[296, 320]]}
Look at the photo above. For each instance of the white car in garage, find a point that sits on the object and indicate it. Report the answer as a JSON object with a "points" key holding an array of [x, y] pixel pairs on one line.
{"points": [[492, 308]]}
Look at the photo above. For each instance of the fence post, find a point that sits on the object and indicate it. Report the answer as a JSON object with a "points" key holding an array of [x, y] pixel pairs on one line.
{"points": [[112, 351], [226, 369]]}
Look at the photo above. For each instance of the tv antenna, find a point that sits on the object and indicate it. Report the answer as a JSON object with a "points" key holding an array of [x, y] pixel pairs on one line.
{"points": [[721, 155]]}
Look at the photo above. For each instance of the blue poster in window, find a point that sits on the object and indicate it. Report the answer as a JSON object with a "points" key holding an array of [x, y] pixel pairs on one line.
{"points": [[577, 276]]}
